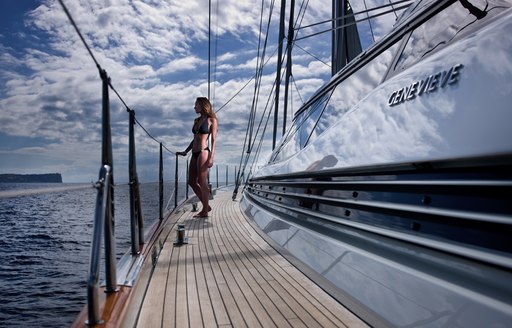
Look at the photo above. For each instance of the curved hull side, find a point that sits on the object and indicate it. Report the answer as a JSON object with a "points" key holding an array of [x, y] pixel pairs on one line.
{"points": [[401, 207], [402, 245]]}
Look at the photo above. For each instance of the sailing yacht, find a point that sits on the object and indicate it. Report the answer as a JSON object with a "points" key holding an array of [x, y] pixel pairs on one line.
{"points": [[391, 189], [386, 203]]}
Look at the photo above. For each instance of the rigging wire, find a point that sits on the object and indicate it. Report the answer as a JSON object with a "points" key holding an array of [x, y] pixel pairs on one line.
{"points": [[248, 134], [209, 42], [236, 94], [355, 22], [246, 151], [260, 144], [103, 72], [302, 9], [246, 84], [259, 73], [256, 84], [369, 21], [391, 4], [258, 149], [364, 11], [216, 50], [312, 55], [297, 88], [243, 166], [293, 43]]}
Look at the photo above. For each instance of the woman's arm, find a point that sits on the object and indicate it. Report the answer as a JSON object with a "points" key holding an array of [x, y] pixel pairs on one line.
{"points": [[214, 141], [184, 153]]}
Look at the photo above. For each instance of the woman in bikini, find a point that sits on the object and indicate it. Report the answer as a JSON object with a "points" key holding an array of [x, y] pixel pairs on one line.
{"points": [[202, 156]]}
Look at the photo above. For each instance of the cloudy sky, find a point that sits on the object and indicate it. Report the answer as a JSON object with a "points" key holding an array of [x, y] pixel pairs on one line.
{"points": [[156, 54]]}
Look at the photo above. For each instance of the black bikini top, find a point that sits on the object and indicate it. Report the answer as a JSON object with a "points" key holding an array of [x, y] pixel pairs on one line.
{"points": [[203, 128]]}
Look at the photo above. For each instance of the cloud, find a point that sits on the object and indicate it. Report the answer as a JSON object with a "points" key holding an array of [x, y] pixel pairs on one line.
{"points": [[156, 55], [182, 64]]}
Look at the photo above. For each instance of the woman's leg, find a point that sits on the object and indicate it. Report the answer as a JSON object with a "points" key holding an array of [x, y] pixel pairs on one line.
{"points": [[202, 175], [192, 178]]}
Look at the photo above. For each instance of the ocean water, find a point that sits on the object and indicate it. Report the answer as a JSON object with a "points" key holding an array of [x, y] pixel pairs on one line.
{"points": [[45, 240]]}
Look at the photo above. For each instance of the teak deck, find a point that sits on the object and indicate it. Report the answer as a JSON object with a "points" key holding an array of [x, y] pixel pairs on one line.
{"points": [[228, 276]]}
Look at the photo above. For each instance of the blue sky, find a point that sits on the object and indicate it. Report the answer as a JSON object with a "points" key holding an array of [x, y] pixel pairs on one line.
{"points": [[156, 54]]}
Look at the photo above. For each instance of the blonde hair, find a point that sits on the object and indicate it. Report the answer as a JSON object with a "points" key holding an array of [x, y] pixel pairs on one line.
{"points": [[206, 106]]}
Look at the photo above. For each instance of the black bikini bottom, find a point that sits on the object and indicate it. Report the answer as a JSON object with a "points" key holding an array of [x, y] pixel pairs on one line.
{"points": [[195, 154]]}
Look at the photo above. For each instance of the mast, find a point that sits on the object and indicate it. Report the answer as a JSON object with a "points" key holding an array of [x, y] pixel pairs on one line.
{"points": [[288, 63], [279, 65], [346, 44], [278, 71], [209, 42]]}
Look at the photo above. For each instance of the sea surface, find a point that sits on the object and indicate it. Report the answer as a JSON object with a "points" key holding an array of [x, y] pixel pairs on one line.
{"points": [[45, 240]]}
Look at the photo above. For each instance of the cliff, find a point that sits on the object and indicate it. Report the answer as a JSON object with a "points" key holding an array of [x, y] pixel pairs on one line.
{"points": [[49, 177]]}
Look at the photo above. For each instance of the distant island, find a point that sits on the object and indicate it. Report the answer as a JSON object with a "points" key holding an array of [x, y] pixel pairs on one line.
{"points": [[21, 178]]}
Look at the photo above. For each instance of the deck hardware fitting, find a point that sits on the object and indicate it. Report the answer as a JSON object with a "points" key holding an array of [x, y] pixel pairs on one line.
{"points": [[180, 235]]}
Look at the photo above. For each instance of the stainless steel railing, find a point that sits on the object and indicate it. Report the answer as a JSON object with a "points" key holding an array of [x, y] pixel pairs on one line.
{"points": [[104, 212], [101, 216], [104, 216]]}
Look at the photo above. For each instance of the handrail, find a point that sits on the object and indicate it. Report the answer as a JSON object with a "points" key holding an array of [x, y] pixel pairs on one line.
{"points": [[161, 184], [136, 218], [186, 185], [104, 215], [107, 159], [176, 183], [102, 212]]}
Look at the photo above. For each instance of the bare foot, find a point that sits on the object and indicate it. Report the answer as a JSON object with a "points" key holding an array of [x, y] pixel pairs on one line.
{"points": [[201, 215]]}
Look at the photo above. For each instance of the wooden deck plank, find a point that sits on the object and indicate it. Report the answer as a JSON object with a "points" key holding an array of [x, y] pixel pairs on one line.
{"points": [[239, 291], [342, 314], [291, 283], [267, 309], [302, 302], [291, 310], [280, 304], [300, 291], [246, 301], [181, 290], [169, 315], [228, 276], [192, 295], [205, 301], [235, 316], [256, 298], [297, 323], [215, 297], [308, 318], [152, 309], [272, 303], [318, 311]]}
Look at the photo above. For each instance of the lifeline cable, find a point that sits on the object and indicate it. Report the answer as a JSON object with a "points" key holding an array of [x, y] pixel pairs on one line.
{"points": [[103, 71]]}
